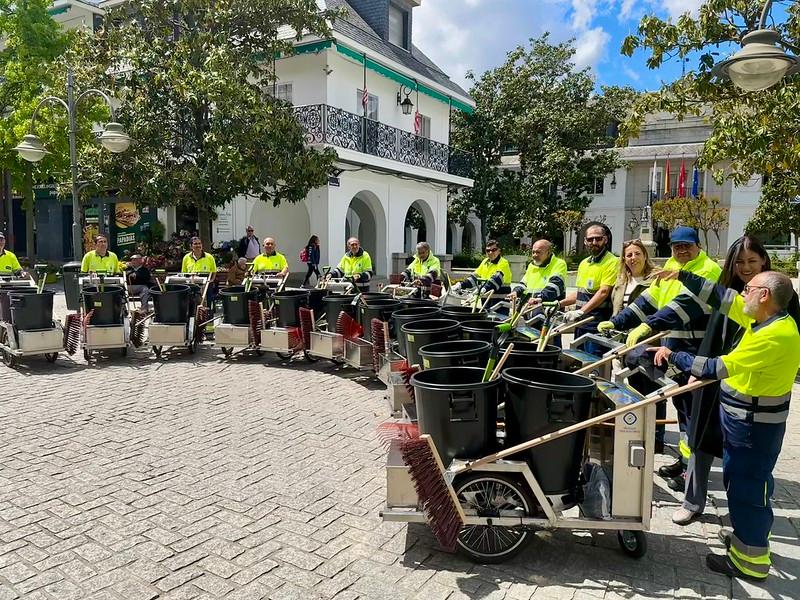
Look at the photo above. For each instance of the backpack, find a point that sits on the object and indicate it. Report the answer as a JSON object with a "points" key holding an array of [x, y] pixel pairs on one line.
{"points": [[304, 254]]}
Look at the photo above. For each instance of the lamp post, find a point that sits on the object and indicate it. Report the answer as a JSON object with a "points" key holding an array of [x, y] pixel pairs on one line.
{"points": [[114, 139], [762, 62]]}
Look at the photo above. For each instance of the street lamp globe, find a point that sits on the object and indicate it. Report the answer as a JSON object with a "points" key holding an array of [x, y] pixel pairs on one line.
{"points": [[760, 63], [31, 148], [114, 138]]}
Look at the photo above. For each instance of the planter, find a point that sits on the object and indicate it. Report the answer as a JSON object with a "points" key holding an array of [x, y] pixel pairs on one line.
{"points": [[518, 263]]}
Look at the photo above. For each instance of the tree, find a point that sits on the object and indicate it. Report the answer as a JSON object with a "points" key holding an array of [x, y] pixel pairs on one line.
{"points": [[776, 216], [32, 41], [703, 213], [537, 104], [754, 133], [194, 77]]}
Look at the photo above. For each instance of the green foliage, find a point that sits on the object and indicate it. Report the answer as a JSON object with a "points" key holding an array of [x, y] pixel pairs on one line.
{"points": [[192, 76], [703, 213], [539, 104], [787, 265], [774, 216], [467, 260], [754, 133]]}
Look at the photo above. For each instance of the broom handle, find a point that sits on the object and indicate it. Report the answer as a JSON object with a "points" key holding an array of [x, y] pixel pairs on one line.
{"points": [[568, 326], [582, 425], [485, 302], [496, 373], [617, 352], [387, 343]]}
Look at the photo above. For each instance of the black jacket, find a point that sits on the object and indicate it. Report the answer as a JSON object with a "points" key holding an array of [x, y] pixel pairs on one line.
{"points": [[140, 276], [242, 248]]}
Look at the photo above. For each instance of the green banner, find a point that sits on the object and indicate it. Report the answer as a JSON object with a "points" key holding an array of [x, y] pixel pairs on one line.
{"points": [[128, 225]]}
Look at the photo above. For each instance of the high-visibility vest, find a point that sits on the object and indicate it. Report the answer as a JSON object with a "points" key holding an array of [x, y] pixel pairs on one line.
{"points": [[276, 262], [548, 280], [94, 263], [9, 262], [593, 273], [204, 264]]}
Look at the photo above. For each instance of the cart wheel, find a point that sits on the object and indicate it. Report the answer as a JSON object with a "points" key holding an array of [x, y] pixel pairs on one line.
{"points": [[285, 355], [227, 351], [87, 354], [123, 351], [9, 359], [493, 495], [339, 361], [51, 357], [633, 543], [157, 351], [309, 357]]}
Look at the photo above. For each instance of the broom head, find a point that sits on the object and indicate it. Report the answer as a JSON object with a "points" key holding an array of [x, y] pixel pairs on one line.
{"points": [[72, 333], [406, 371], [306, 325], [255, 317], [390, 432], [378, 343], [436, 499], [348, 327], [138, 319]]}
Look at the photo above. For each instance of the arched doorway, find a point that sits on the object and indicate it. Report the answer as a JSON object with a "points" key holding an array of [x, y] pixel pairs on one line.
{"points": [[366, 220], [469, 238], [419, 219]]}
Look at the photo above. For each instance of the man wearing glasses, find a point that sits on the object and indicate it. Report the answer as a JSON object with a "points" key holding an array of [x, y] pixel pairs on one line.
{"points": [[755, 392], [356, 264], [249, 247], [597, 275], [495, 270]]}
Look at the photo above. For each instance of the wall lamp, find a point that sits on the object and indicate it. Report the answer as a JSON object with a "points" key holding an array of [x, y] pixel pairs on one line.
{"points": [[405, 104]]}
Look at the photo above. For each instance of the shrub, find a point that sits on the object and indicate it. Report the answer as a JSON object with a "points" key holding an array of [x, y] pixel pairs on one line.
{"points": [[787, 265]]}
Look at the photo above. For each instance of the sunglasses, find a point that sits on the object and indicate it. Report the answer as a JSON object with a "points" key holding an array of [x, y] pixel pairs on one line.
{"points": [[595, 239], [492, 249]]}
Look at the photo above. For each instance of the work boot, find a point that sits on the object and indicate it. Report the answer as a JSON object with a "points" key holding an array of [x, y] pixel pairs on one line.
{"points": [[677, 484], [722, 564], [684, 516], [672, 470]]}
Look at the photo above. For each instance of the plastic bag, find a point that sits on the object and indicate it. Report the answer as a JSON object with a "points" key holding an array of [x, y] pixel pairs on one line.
{"points": [[596, 492]]}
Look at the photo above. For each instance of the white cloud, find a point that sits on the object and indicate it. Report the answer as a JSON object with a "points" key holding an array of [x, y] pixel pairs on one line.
{"points": [[675, 8], [633, 75], [591, 47], [626, 8], [583, 13]]}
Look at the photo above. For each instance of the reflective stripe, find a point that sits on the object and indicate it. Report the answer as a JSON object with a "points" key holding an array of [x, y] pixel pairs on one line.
{"points": [[722, 370], [762, 401], [638, 312], [727, 301], [751, 560], [706, 290], [680, 312], [698, 364], [771, 418], [648, 297], [744, 414], [686, 335]]}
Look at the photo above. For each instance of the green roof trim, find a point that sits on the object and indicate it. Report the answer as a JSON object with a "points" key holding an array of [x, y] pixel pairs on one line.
{"points": [[315, 47], [59, 11], [402, 79]]}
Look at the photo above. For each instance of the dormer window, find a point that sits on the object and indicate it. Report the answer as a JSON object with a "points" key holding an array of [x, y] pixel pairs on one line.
{"points": [[398, 26]]}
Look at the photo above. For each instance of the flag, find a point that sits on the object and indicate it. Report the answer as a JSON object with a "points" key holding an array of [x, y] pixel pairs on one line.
{"points": [[417, 123], [654, 181], [666, 181], [695, 182], [365, 98], [682, 180]]}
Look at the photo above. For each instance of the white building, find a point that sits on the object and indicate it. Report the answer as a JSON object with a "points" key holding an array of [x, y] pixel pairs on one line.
{"points": [[384, 166]]}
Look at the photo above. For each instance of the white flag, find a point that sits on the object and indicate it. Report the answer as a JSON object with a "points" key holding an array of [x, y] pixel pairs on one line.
{"points": [[654, 180]]}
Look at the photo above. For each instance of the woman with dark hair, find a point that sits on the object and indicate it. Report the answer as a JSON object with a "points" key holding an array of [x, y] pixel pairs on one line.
{"points": [[746, 258], [312, 258]]}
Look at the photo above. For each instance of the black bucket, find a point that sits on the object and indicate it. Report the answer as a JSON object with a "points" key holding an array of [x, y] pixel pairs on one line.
{"points": [[455, 353], [107, 305], [234, 304], [367, 296], [288, 304], [315, 297], [173, 303], [377, 308], [336, 303], [31, 311], [427, 331], [415, 302], [525, 354], [407, 315], [462, 313], [457, 410], [539, 401], [479, 330], [5, 302]]}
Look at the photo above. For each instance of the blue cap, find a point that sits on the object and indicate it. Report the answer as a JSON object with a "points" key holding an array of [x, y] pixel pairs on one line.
{"points": [[684, 235]]}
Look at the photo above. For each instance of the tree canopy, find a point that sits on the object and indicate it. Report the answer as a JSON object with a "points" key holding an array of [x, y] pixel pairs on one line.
{"points": [[754, 133], [194, 78], [538, 106]]}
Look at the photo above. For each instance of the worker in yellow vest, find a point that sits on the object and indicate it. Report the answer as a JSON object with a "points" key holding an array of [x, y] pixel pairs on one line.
{"points": [[8, 260], [198, 261], [424, 270], [545, 279], [493, 274], [356, 264], [270, 260], [100, 260]]}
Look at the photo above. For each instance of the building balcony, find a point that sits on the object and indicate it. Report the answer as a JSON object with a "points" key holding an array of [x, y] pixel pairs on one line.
{"points": [[326, 124]]}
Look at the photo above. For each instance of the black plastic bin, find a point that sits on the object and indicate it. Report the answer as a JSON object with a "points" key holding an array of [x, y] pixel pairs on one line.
{"points": [[315, 297], [407, 315], [5, 301], [106, 302], [415, 302], [457, 410], [31, 311], [525, 354], [455, 353], [539, 401], [336, 303], [427, 331], [72, 294], [484, 330], [462, 313], [172, 304], [377, 308], [234, 304], [288, 304]]}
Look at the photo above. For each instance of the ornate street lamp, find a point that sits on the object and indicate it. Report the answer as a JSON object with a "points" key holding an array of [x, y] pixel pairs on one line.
{"points": [[114, 139], [762, 61], [406, 105]]}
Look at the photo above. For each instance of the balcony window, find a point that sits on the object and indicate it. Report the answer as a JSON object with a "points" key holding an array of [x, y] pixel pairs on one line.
{"points": [[372, 105], [425, 127], [398, 26], [283, 91], [599, 185]]}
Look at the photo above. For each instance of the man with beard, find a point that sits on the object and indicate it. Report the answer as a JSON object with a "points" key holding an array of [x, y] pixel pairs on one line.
{"points": [[597, 275], [755, 392], [545, 279]]}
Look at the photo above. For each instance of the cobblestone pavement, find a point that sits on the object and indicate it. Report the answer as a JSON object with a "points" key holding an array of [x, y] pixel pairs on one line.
{"points": [[194, 477]]}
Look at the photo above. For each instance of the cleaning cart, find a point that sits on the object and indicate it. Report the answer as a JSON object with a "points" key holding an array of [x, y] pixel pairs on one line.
{"points": [[27, 327], [104, 321], [176, 319]]}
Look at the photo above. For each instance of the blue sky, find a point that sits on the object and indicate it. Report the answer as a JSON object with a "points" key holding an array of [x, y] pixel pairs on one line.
{"points": [[461, 35]]}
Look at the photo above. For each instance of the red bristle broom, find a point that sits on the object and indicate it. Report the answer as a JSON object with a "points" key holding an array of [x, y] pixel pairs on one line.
{"points": [[437, 497], [72, 333], [348, 327], [138, 319], [378, 343], [306, 316], [255, 319], [406, 371], [389, 431]]}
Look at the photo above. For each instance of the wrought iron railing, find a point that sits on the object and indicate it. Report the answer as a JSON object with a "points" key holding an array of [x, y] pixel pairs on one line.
{"points": [[326, 124]]}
